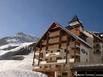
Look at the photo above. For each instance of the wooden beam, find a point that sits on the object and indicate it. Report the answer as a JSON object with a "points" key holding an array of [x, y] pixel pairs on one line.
{"points": [[67, 51], [33, 56], [40, 52], [60, 36], [47, 41], [54, 37]]}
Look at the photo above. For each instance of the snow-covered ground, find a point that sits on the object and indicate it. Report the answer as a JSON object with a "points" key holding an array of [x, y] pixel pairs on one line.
{"points": [[18, 68]]}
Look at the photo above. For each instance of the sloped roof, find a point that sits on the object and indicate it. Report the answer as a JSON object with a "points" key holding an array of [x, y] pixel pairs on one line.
{"points": [[68, 32], [75, 18], [95, 35], [88, 67]]}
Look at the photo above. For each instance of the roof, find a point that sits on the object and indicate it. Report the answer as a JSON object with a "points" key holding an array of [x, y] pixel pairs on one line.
{"points": [[72, 24], [75, 36], [95, 35], [75, 18], [68, 32], [88, 67]]}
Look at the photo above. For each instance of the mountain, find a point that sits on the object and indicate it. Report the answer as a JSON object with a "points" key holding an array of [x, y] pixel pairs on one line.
{"points": [[12, 46], [16, 56], [20, 37]]}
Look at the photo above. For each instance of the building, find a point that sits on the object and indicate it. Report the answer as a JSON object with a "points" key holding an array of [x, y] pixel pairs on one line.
{"points": [[60, 49]]}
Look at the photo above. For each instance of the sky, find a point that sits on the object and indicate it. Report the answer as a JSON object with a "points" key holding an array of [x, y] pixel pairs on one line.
{"points": [[35, 16]]}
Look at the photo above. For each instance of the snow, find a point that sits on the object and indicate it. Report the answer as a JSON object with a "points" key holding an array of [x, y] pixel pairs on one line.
{"points": [[74, 23], [18, 68], [11, 40], [9, 45], [61, 61], [3, 52], [20, 73], [21, 46]]}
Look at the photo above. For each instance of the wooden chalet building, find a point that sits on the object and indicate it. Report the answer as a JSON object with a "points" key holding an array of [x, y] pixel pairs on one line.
{"points": [[61, 48]]}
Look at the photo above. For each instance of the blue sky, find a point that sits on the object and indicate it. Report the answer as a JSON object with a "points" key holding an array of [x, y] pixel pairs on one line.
{"points": [[34, 16]]}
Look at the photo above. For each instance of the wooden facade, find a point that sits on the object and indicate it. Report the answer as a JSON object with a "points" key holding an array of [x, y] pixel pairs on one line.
{"points": [[60, 48]]}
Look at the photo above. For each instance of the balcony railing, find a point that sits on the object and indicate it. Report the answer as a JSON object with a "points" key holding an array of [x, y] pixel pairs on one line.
{"points": [[36, 53], [61, 61], [53, 54]]}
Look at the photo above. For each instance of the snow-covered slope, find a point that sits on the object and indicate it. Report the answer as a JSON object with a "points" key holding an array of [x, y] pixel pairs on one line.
{"points": [[18, 68], [17, 47], [9, 50]]}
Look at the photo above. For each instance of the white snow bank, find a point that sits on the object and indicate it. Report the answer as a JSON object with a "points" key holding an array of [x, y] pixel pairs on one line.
{"points": [[20, 73], [19, 68]]}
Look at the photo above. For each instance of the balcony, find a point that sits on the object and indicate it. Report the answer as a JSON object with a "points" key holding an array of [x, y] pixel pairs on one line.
{"points": [[61, 61], [37, 53], [36, 67], [53, 54], [71, 60], [43, 62]]}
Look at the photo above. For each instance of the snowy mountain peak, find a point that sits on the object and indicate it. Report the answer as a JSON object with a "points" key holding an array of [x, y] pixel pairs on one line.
{"points": [[20, 37]]}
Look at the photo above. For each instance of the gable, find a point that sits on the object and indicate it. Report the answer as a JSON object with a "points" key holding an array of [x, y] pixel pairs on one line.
{"points": [[52, 36], [57, 30]]}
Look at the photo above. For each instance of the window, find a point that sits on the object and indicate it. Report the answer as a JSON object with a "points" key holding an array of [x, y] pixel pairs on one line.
{"points": [[49, 66], [50, 59], [86, 60], [65, 73], [66, 51], [41, 55], [59, 58], [45, 66], [57, 66], [46, 59], [83, 51], [72, 56], [72, 39], [51, 51], [97, 51], [77, 58], [64, 57], [58, 50], [59, 76]]}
